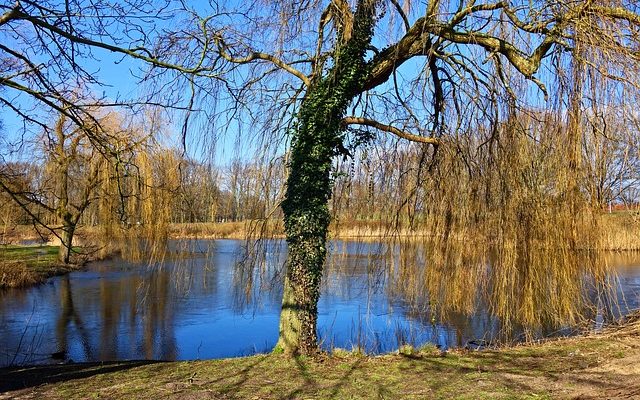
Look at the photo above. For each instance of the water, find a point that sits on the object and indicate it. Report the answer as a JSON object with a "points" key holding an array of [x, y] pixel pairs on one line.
{"points": [[206, 307]]}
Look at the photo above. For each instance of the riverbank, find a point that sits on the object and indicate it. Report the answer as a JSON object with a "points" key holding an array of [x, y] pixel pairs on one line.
{"points": [[22, 266], [605, 365], [619, 231]]}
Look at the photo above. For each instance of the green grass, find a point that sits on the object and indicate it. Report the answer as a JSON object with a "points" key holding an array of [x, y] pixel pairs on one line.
{"points": [[37, 257]]}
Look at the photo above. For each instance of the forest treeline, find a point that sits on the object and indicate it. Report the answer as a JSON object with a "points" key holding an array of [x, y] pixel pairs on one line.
{"points": [[389, 185]]}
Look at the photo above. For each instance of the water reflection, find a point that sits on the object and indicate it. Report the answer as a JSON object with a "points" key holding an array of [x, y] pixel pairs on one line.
{"points": [[69, 319], [375, 296], [529, 294]]}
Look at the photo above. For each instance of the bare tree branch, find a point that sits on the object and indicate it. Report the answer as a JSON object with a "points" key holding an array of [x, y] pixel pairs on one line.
{"points": [[391, 129], [255, 55], [137, 53]]}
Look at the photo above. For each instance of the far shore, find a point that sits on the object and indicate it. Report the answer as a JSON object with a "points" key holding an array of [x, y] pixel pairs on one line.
{"points": [[21, 264]]}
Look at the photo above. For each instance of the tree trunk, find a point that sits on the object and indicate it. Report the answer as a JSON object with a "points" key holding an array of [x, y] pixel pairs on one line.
{"points": [[316, 139], [66, 241], [306, 218]]}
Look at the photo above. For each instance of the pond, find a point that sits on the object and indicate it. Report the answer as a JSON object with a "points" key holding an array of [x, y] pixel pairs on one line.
{"points": [[208, 305]]}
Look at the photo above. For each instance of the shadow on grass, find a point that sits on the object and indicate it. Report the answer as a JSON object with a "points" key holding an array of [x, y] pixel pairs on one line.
{"points": [[17, 378], [240, 377], [473, 375]]}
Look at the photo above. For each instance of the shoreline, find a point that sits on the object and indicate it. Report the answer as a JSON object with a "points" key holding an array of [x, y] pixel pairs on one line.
{"points": [[591, 366], [23, 266]]}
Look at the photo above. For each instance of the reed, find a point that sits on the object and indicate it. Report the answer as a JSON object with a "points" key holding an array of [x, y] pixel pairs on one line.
{"points": [[620, 231], [17, 274]]}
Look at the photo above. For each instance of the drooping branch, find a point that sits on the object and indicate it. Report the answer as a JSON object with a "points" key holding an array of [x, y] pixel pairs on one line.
{"points": [[391, 129], [438, 94], [65, 109]]}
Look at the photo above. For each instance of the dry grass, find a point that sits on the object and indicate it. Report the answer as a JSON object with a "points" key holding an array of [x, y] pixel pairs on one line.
{"points": [[17, 274], [16, 233], [273, 228], [590, 367], [620, 231], [22, 266], [210, 230]]}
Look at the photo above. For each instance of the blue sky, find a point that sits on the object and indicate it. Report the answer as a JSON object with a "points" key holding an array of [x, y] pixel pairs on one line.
{"points": [[118, 73]]}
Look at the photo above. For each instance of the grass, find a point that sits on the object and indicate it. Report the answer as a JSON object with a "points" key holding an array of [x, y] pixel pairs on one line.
{"points": [[22, 266], [619, 230], [598, 366], [213, 230]]}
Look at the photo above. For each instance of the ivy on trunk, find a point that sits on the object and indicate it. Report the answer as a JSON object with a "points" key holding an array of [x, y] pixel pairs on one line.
{"points": [[316, 139]]}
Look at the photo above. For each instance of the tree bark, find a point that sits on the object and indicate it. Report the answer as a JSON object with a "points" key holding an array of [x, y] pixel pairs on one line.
{"points": [[306, 217], [316, 140], [66, 240]]}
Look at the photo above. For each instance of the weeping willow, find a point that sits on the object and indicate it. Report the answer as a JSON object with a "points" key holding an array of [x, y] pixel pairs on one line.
{"points": [[493, 221], [139, 201]]}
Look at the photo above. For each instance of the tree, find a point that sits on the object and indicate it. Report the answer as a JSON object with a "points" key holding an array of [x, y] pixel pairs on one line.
{"points": [[473, 53], [21, 175], [297, 67], [199, 192], [70, 179], [74, 171], [49, 69]]}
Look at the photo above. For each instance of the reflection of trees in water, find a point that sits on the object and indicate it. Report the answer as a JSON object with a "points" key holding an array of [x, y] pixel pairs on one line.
{"points": [[142, 305], [17, 345], [110, 311], [453, 295], [355, 269], [69, 315], [157, 305], [448, 299], [258, 268], [534, 293], [472, 292], [611, 296], [457, 289]]}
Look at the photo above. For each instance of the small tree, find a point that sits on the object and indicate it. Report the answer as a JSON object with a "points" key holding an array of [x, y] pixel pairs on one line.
{"points": [[73, 168], [20, 174], [71, 175], [66, 188]]}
